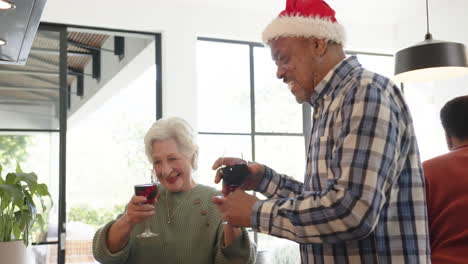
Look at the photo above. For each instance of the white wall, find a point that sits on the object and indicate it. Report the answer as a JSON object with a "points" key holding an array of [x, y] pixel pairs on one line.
{"points": [[446, 22], [181, 23]]}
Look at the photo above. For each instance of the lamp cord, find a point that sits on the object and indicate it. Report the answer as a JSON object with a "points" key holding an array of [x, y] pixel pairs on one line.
{"points": [[428, 35]]}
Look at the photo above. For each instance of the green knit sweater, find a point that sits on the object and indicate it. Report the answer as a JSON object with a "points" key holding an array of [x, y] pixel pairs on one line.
{"points": [[195, 234]]}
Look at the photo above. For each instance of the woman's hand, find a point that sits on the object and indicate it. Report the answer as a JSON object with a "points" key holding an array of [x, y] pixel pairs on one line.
{"points": [[230, 233], [138, 210], [256, 172]]}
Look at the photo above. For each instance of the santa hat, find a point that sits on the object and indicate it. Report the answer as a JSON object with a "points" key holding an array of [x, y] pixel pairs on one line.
{"points": [[305, 18]]}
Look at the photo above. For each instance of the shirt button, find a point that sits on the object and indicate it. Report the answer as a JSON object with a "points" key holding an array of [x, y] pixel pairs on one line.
{"points": [[203, 212]]}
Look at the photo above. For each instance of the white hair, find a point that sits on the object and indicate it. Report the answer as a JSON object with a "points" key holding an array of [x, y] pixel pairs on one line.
{"points": [[177, 129]]}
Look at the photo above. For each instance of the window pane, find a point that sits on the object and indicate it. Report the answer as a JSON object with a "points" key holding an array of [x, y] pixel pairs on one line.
{"points": [[425, 101], [106, 159], [223, 80], [284, 154], [383, 65], [38, 153], [276, 109], [278, 251], [29, 94], [43, 254], [213, 147]]}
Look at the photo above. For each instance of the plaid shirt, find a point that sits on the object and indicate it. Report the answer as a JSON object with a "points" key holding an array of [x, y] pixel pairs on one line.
{"points": [[363, 197]]}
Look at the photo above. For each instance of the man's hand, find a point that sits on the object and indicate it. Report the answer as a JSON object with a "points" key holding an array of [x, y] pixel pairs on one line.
{"points": [[256, 171], [236, 208]]}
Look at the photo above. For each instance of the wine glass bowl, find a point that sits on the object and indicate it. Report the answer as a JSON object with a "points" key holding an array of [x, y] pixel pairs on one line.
{"points": [[234, 175], [148, 190]]}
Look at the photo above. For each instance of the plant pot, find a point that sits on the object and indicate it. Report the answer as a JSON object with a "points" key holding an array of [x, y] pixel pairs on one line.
{"points": [[13, 252]]}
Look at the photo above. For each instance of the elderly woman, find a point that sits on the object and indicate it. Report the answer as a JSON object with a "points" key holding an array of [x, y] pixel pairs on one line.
{"points": [[189, 225]]}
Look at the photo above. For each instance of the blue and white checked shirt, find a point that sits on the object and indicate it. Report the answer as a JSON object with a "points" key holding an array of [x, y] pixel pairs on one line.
{"points": [[363, 197]]}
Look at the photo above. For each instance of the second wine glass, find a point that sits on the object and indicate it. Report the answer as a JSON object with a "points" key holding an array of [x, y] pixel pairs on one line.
{"points": [[233, 176]]}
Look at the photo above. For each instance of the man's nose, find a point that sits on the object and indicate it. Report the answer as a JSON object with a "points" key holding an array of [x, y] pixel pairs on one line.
{"points": [[279, 72]]}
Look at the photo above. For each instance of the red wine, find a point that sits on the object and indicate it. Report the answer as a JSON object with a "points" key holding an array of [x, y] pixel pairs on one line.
{"points": [[234, 175], [231, 188], [149, 190]]}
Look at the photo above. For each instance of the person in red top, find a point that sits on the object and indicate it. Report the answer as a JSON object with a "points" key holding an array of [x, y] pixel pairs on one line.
{"points": [[447, 188]]}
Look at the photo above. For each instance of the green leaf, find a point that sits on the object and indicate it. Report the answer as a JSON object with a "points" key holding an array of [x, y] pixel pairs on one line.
{"points": [[5, 200], [19, 195], [28, 178], [10, 178], [31, 206], [18, 168], [26, 219], [17, 231], [40, 221], [2, 228], [18, 222], [43, 190], [13, 191]]}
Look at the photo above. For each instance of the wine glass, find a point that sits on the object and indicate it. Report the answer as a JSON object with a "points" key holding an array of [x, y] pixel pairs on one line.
{"points": [[148, 190], [233, 176]]}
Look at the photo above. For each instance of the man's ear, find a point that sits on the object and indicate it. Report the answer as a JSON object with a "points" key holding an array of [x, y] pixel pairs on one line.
{"points": [[320, 46]]}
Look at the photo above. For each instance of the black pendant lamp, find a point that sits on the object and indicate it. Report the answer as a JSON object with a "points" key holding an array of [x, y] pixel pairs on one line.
{"points": [[431, 60]]}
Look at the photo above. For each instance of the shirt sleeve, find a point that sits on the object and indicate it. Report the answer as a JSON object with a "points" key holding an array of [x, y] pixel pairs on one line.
{"points": [[275, 185], [101, 251], [360, 165]]}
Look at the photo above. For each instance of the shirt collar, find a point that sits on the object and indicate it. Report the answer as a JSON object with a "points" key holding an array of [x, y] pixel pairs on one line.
{"points": [[333, 78]]}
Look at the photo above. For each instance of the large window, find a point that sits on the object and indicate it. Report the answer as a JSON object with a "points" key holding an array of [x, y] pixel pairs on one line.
{"points": [[256, 117], [30, 129], [106, 151], [425, 101], [76, 114]]}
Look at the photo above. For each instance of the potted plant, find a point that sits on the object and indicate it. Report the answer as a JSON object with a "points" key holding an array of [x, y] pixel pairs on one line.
{"points": [[22, 203]]}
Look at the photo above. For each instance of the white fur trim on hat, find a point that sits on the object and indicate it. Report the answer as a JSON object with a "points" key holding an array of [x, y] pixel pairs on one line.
{"points": [[299, 26]]}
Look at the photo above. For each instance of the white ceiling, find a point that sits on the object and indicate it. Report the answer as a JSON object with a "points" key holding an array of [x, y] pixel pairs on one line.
{"points": [[386, 11], [373, 25]]}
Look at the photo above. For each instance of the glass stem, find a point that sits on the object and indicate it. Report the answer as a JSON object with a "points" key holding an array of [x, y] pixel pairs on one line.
{"points": [[147, 229]]}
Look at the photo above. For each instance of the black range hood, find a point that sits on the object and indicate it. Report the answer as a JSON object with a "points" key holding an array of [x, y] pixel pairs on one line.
{"points": [[18, 27]]}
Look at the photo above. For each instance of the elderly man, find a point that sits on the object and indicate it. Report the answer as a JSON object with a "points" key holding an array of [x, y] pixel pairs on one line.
{"points": [[447, 182], [363, 199]]}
